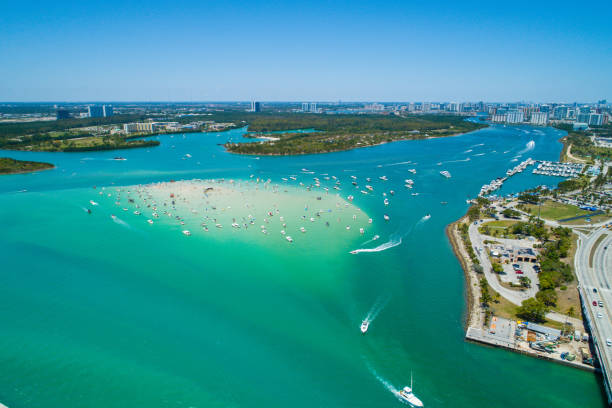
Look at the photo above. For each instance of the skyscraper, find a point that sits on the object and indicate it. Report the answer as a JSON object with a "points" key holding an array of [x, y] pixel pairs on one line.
{"points": [[107, 110], [62, 114], [255, 106], [95, 111]]}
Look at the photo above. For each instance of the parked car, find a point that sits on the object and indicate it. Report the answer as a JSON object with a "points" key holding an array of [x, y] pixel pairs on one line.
{"points": [[599, 315], [519, 272], [594, 290], [600, 303], [516, 266], [609, 342], [594, 303]]}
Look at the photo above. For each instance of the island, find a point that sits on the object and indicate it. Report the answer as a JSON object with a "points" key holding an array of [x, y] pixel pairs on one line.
{"points": [[12, 166], [332, 133]]}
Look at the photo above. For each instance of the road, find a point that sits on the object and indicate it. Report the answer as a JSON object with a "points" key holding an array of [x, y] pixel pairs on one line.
{"points": [[514, 296], [595, 286]]}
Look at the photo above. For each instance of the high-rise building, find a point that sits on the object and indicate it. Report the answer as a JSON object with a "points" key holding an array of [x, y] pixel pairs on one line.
{"points": [[305, 106], [539, 118], [583, 117], [255, 106], [62, 114], [560, 112], [499, 118], [99, 111], [515, 116], [595, 119]]}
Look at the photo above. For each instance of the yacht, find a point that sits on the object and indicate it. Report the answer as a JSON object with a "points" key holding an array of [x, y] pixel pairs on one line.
{"points": [[406, 395], [428, 216], [364, 326], [445, 173]]}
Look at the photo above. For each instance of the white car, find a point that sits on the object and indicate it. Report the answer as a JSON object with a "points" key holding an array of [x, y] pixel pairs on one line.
{"points": [[609, 342], [599, 315]]}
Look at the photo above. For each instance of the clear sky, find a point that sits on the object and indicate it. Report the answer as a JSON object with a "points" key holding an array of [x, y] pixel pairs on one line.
{"points": [[305, 50]]}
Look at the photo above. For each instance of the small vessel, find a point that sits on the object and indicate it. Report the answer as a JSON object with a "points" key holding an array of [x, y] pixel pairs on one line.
{"points": [[384, 178], [288, 238], [150, 222], [187, 232], [413, 171], [114, 217], [302, 229], [92, 202], [406, 395], [386, 217], [428, 216], [119, 158], [386, 201], [375, 237], [364, 326], [137, 212], [445, 173], [89, 211], [361, 231]]}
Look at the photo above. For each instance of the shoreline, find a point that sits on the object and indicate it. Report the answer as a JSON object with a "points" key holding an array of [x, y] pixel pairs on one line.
{"points": [[348, 149], [13, 166], [474, 324]]}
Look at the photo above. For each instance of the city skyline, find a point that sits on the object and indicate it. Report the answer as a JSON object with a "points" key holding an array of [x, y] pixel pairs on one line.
{"points": [[353, 51]]}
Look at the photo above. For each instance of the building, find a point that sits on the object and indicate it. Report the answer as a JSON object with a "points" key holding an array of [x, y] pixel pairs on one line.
{"points": [[107, 110], [515, 116], [583, 117], [62, 114], [99, 111], [539, 118], [255, 106], [596, 119], [309, 107], [142, 127], [499, 118], [560, 112]]}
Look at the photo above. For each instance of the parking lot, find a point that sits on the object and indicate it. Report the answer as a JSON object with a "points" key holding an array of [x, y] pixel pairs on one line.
{"points": [[510, 275]]}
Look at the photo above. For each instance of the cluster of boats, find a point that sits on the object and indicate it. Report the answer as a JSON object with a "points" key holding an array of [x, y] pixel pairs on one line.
{"points": [[548, 168], [497, 183]]}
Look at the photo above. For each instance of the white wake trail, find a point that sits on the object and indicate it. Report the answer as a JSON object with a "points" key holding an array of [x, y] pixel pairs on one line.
{"points": [[383, 381], [528, 147], [382, 247]]}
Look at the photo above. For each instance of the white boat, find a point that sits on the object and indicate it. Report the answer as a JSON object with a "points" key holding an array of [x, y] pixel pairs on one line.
{"points": [[361, 231], [150, 222], [364, 326], [386, 201], [384, 178], [92, 202], [386, 217], [413, 171], [406, 395], [445, 173], [375, 237], [302, 229], [428, 216], [136, 212], [288, 238], [187, 232]]}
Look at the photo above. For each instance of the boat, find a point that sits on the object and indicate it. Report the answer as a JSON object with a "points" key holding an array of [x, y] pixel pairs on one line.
{"points": [[375, 237], [114, 217], [383, 178], [302, 229], [413, 171], [361, 231], [136, 212], [364, 326], [445, 173], [92, 202], [89, 211], [386, 217], [386, 201], [150, 222], [187, 232], [288, 238], [406, 395], [428, 216], [119, 158]]}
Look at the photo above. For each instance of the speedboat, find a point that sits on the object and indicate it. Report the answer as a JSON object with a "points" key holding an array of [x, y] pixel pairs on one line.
{"points": [[406, 395], [361, 231], [364, 326], [375, 237], [386, 201], [288, 238], [92, 202], [187, 232], [386, 217], [150, 221], [428, 216], [445, 173]]}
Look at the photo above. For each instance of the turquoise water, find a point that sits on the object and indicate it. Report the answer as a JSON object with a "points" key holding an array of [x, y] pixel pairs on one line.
{"points": [[101, 314]]}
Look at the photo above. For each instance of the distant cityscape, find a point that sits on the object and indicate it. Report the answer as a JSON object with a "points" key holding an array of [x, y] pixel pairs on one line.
{"points": [[580, 115]]}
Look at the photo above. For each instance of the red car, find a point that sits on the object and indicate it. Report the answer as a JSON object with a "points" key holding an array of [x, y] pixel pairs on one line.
{"points": [[519, 272], [594, 303]]}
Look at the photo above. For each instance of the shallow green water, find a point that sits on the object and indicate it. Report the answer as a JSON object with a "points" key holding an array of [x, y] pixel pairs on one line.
{"points": [[97, 313]]}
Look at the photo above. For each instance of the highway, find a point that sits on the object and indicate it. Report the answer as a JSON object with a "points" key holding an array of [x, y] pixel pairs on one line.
{"points": [[595, 285]]}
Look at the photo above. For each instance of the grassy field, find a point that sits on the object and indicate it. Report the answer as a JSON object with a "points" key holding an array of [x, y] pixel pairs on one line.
{"points": [[497, 228], [552, 210], [593, 220]]}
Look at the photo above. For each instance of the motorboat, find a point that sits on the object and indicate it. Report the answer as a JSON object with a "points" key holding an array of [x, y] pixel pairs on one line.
{"points": [[406, 395], [186, 232], [364, 326], [445, 173]]}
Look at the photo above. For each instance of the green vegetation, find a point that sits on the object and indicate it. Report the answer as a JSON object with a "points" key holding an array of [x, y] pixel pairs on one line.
{"points": [[12, 166], [511, 213], [463, 231], [344, 132], [497, 267], [533, 310], [583, 146], [90, 143], [500, 228], [579, 183], [553, 210]]}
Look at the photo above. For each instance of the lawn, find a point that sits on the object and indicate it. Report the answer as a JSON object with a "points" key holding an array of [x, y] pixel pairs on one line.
{"points": [[552, 210], [497, 228]]}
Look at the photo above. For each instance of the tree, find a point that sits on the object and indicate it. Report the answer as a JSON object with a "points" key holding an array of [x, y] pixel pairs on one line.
{"points": [[497, 268], [478, 268], [548, 297], [525, 282], [532, 309]]}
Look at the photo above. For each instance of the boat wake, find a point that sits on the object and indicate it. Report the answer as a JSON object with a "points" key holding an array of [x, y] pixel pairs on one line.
{"points": [[374, 238], [468, 151], [479, 154], [376, 308], [455, 161], [528, 147], [382, 247], [120, 222], [383, 381], [396, 164], [476, 145]]}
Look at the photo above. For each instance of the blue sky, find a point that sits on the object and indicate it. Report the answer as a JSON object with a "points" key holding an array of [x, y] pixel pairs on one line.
{"points": [[308, 50]]}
